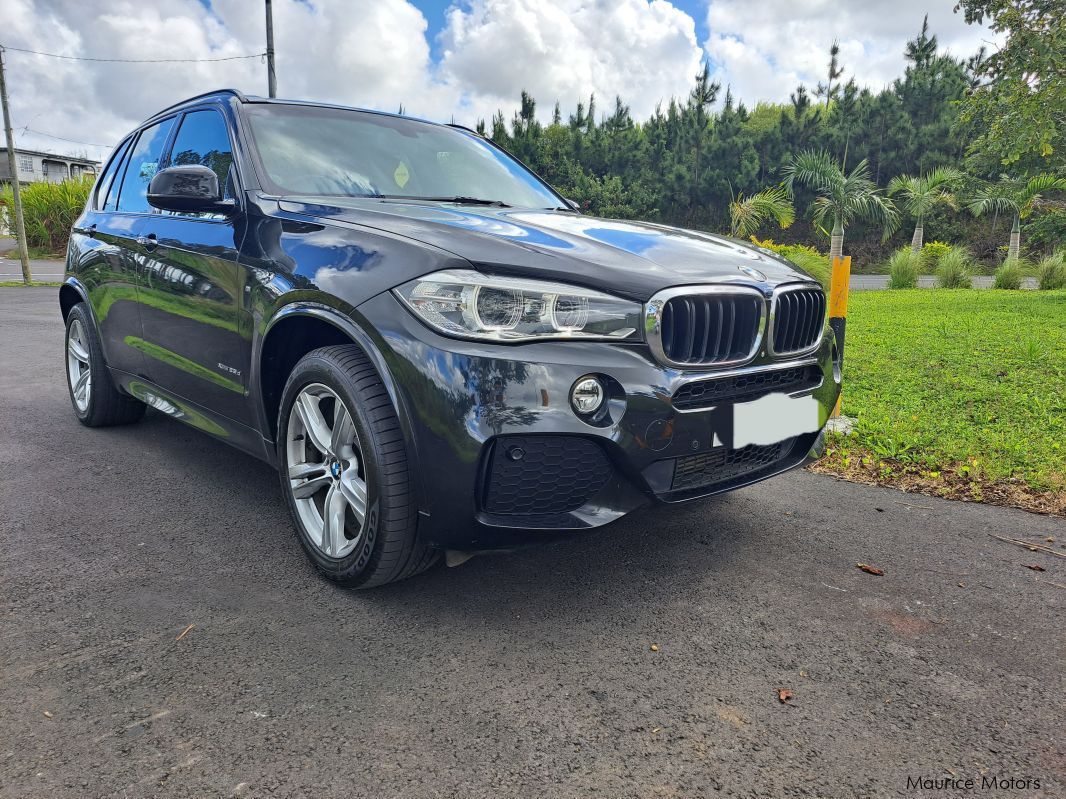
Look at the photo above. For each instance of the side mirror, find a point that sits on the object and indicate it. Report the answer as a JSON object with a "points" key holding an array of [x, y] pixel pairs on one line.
{"points": [[188, 187], [574, 205]]}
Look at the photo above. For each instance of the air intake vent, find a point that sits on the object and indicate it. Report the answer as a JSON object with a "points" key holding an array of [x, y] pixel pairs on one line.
{"points": [[709, 328], [796, 320], [701, 394]]}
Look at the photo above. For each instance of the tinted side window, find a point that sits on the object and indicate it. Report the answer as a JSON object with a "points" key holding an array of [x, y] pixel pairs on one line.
{"points": [[202, 139], [111, 203], [104, 183], [143, 164]]}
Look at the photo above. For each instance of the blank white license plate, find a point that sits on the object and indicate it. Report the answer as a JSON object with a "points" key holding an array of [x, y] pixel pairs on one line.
{"points": [[774, 418]]}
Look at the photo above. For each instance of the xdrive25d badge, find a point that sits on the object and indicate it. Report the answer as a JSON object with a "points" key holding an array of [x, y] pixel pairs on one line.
{"points": [[432, 346]]}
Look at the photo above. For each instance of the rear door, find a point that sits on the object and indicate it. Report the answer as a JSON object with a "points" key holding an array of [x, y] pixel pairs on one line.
{"points": [[100, 260], [192, 292]]}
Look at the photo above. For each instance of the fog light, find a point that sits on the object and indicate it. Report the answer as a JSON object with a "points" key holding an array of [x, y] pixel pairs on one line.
{"points": [[587, 395]]}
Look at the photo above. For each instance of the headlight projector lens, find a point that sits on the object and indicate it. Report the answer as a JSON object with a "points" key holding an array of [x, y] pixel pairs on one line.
{"points": [[587, 395]]}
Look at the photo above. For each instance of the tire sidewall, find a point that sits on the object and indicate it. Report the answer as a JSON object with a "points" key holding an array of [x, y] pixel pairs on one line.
{"points": [[319, 369], [79, 313]]}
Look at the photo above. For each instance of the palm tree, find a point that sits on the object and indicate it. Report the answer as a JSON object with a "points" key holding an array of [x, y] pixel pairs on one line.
{"points": [[843, 198], [923, 193], [746, 214], [1015, 197]]}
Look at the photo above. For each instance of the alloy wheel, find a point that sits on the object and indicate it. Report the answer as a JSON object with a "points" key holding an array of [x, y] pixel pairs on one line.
{"points": [[327, 474], [78, 369]]}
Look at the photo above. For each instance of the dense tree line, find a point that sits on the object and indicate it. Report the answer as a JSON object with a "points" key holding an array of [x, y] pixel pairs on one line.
{"points": [[686, 163]]}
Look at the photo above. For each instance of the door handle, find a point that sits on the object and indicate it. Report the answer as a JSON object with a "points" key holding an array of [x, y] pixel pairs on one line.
{"points": [[149, 242]]}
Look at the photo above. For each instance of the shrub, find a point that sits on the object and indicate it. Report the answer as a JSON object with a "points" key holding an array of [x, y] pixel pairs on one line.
{"points": [[817, 266], [804, 256], [49, 210], [1009, 276], [931, 254], [903, 269], [1051, 272], [953, 269]]}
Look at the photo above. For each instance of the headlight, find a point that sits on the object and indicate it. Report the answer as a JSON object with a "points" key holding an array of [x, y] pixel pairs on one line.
{"points": [[461, 302]]}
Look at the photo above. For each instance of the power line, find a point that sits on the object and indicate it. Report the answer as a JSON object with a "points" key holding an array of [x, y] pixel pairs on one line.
{"points": [[134, 60], [71, 141]]}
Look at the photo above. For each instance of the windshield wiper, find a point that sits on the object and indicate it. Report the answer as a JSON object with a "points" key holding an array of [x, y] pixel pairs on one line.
{"points": [[457, 200]]}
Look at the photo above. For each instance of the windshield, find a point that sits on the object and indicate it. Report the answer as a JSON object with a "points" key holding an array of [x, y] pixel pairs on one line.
{"points": [[334, 152]]}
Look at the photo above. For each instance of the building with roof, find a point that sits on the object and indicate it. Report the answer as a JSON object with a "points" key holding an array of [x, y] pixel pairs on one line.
{"points": [[35, 166]]}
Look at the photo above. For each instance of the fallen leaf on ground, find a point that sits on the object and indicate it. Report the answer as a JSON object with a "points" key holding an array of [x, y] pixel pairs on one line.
{"points": [[784, 695], [962, 585], [866, 567], [47, 714], [1034, 567], [654, 647]]}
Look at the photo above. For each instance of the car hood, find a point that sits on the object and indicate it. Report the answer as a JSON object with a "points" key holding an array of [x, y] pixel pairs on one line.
{"points": [[632, 259]]}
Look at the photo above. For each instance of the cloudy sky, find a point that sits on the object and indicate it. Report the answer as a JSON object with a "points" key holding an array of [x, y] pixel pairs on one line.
{"points": [[440, 58]]}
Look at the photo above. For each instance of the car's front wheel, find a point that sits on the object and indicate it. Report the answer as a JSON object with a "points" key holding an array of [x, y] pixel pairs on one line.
{"points": [[96, 400], [345, 473]]}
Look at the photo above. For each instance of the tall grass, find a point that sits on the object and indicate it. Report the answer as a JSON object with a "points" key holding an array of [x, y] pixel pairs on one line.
{"points": [[1051, 272], [953, 269], [49, 210], [1009, 275], [903, 269]]}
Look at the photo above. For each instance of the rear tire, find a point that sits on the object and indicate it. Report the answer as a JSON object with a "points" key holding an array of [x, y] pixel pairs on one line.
{"points": [[96, 400], [345, 473]]}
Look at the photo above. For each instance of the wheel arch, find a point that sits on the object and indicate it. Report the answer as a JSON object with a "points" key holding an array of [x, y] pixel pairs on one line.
{"points": [[70, 294], [299, 328]]}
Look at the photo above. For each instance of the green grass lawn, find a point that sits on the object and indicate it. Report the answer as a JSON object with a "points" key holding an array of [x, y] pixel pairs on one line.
{"points": [[967, 388]]}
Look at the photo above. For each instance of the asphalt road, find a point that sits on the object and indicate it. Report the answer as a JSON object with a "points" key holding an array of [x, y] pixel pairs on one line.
{"points": [[522, 675]]}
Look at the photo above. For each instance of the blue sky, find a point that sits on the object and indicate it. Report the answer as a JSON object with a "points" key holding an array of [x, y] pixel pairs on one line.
{"points": [[434, 11]]}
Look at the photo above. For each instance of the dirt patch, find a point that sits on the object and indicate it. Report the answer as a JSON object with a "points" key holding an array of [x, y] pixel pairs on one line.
{"points": [[903, 624], [946, 482]]}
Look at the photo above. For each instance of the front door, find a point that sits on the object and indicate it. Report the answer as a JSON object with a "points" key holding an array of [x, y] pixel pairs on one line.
{"points": [[194, 338]]}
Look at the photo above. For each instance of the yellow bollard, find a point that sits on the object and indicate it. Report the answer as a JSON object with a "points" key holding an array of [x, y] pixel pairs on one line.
{"points": [[838, 307]]}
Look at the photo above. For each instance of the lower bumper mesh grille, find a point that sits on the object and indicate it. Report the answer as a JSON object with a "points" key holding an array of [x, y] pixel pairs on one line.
{"points": [[707, 468], [542, 475]]}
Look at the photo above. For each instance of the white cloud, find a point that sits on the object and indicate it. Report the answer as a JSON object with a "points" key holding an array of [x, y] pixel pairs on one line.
{"points": [[375, 53], [763, 50], [365, 52], [564, 50]]}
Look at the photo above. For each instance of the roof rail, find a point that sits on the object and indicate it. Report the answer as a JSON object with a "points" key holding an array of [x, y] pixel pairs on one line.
{"points": [[188, 100]]}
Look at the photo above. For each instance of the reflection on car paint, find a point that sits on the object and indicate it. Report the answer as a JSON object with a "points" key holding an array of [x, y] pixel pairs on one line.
{"points": [[176, 408]]}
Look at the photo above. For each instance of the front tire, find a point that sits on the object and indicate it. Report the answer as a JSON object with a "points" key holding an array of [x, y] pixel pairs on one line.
{"points": [[344, 471], [96, 400]]}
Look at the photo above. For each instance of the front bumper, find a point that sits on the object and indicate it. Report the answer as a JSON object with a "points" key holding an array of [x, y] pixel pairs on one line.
{"points": [[502, 458]]}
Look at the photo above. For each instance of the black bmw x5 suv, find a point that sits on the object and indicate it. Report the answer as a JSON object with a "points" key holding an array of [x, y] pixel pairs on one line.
{"points": [[434, 348]]}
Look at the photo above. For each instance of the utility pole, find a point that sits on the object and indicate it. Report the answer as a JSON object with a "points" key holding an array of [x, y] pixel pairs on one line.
{"points": [[12, 163], [272, 78]]}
